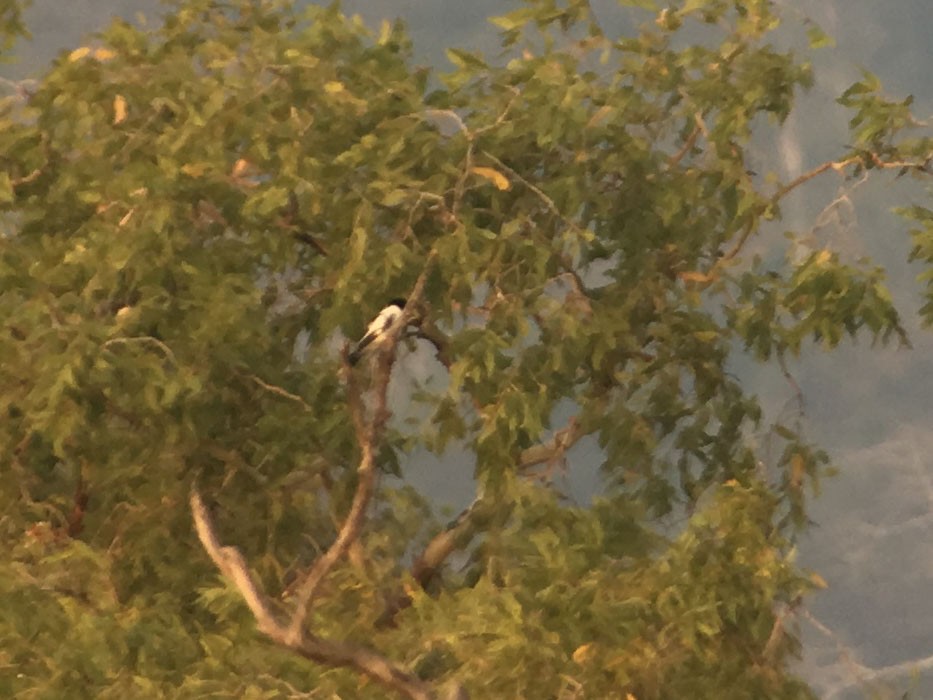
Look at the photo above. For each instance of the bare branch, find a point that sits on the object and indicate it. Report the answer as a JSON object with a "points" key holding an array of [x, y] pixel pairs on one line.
{"points": [[886, 673], [555, 448], [374, 665], [430, 332], [739, 244], [368, 438], [795, 387], [675, 159], [279, 391], [20, 88], [328, 652], [839, 166], [143, 340], [452, 538], [16, 182], [864, 675], [449, 114], [516, 93], [348, 533], [549, 203], [233, 566]]}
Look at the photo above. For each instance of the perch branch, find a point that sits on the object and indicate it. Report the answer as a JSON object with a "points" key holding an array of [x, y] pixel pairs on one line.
{"points": [[368, 437]]}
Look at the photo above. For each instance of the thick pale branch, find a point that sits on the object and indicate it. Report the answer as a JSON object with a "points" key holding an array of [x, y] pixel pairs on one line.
{"points": [[351, 529], [444, 543], [374, 665], [448, 114], [232, 566], [554, 448], [449, 540], [330, 653]]}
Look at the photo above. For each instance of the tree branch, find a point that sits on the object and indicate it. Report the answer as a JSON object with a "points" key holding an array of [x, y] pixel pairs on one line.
{"points": [[462, 530], [279, 391], [335, 654], [555, 448], [376, 666], [351, 529], [434, 335], [675, 159], [143, 340], [541, 194], [232, 566], [368, 435], [839, 166], [291, 633]]}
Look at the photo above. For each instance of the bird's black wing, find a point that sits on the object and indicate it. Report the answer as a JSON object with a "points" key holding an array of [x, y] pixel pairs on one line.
{"points": [[354, 356], [377, 329]]}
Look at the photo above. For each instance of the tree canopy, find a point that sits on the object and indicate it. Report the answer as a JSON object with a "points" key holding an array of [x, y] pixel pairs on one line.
{"points": [[195, 215]]}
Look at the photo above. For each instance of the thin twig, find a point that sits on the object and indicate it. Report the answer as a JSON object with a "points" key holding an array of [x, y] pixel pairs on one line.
{"points": [[795, 387], [16, 182], [516, 93], [838, 166], [143, 340], [549, 203], [279, 391], [675, 159]]}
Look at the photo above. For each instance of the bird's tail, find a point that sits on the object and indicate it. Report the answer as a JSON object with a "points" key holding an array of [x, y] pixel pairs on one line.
{"points": [[357, 352]]}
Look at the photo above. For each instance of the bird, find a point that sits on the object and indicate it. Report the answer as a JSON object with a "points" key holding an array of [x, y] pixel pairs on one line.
{"points": [[378, 329]]}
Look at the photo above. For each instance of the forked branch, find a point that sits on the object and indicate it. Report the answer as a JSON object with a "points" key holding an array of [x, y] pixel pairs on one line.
{"points": [[331, 653], [289, 631], [870, 160], [368, 435]]}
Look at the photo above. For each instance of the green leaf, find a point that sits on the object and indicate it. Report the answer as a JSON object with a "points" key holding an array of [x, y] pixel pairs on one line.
{"points": [[465, 60], [818, 39]]}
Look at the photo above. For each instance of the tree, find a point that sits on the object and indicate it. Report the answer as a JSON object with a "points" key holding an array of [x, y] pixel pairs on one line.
{"points": [[193, 214]]}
